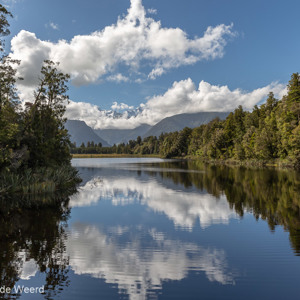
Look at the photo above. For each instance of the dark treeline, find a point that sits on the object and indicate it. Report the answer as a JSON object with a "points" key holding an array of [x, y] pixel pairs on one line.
{"points": [[148, 145], [271, 131], [34, 145]]}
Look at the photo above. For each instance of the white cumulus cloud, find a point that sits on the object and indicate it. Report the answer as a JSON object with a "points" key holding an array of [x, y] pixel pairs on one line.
{"points": [[152, 11], [118, 78], [133, 39], [53, 26], [121, 106], [181, 97]]}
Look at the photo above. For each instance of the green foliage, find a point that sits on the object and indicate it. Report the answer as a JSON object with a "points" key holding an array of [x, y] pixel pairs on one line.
{"points": [[38, 181], [268, 132], [4, 25], [44, 132], [35, 137], [10, 133]]}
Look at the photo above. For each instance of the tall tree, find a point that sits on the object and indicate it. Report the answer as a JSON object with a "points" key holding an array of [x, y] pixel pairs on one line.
{"points": [[293, 97], [45, 134], [4, 25], [10, 153]]}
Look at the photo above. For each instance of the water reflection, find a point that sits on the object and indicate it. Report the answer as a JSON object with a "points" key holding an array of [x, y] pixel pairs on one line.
{"points": [[142, 263], [211, 194], [33, 241], [183, 208], [186, 193], [139, 226]]}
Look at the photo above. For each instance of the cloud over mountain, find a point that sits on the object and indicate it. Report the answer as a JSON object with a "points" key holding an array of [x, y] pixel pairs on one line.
{"points": [[182, 97], [134, 39]]}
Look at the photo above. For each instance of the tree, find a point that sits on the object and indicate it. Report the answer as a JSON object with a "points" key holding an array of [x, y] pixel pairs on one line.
{"points": [[44, 132], [294, 88], [293, 97], [270, 105], [4, 25], [8, 92], [139, 140], [10, 152]]}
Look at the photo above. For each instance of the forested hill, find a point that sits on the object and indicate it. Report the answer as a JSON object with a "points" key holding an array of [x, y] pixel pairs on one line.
{"points": [[268, 132]]}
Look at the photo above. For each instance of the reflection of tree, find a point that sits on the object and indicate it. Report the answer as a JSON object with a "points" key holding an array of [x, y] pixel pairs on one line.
{"points": [[9, 263], [272, 195], [35, 228]]}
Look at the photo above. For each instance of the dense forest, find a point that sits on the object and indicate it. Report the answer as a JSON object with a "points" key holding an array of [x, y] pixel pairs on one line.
{"points": [[34, 145], [267, 133]]}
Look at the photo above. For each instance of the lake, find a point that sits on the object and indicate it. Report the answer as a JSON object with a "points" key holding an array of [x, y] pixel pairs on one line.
{"points": [[146, 228]]}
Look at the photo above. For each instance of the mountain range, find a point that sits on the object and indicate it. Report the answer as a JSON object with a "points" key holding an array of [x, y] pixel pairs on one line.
{"points": [[80, 132], [116, 136], [178, 122]]}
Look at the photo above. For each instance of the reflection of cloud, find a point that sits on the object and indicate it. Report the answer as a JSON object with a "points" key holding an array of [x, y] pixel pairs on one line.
{"points": [[28, 268], [139, 269], [182, 208], [88, 194]]}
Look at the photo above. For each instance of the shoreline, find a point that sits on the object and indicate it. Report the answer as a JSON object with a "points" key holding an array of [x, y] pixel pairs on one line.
{"points": [[249, 163], [113, 155]]}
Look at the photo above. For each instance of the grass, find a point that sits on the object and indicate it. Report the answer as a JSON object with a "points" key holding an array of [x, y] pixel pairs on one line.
{"points": [[39, 181]]}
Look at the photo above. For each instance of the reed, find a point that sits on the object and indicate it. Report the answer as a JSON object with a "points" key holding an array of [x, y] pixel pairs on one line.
{"points": [[38, 181]]}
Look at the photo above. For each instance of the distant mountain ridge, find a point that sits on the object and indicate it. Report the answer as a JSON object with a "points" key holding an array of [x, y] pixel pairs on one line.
{"points": [[178, 122], [116, 136], [81, 133]]}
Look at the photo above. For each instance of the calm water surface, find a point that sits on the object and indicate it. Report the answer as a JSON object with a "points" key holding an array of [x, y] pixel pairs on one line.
{"points": [[144, 228]]}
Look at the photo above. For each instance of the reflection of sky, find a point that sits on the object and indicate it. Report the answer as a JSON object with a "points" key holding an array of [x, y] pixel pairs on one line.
{"points": [[136, 268], [148, 257], [125, 235], [28, 267], [182, 207], [113, 162]]}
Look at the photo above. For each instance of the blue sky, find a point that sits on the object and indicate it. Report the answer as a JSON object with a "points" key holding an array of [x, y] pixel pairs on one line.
{"points": [[261, 47]]}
